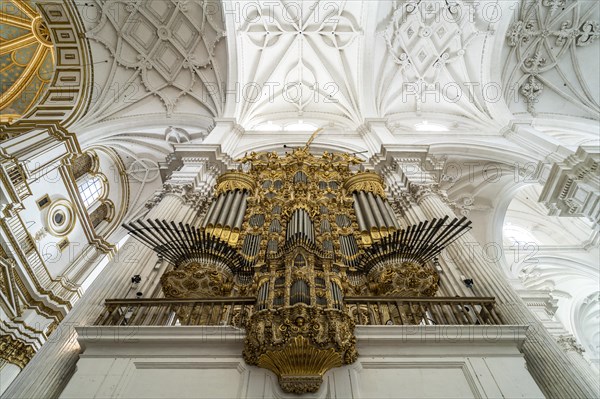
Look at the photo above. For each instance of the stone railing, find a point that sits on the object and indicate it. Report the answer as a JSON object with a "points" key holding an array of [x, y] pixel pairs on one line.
{"points": [[363, 310]]}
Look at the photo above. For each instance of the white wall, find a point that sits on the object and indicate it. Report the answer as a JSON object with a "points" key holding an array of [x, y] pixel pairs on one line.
{"points": [[394, 362]]}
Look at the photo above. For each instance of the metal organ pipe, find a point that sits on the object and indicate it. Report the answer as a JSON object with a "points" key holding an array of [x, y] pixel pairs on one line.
{"points": [[209, 213], [336, 294], [392, 214], [263, 295], [215, 216], [359, 215], [389, 220], [235, 207], [300, 223], [365, 209], [211, 218], [375, 211], [299, 293], [222, 220], [242, 211]]}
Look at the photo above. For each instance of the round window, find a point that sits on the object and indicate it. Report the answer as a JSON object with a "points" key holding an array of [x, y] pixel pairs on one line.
{"points": [[59, 218]]}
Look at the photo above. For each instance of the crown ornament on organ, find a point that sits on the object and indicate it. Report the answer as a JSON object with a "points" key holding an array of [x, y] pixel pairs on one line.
{"points": [[298, 233]]}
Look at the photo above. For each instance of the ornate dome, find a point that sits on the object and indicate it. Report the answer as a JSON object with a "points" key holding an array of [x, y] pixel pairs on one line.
{"points": [[26, 58]]}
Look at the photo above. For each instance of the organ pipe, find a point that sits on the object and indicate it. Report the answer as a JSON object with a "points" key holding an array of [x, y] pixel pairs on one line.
{"points": [[238, 247]]}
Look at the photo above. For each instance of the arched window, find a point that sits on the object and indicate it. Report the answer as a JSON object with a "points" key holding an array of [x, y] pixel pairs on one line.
{"points": [[91, 189]]}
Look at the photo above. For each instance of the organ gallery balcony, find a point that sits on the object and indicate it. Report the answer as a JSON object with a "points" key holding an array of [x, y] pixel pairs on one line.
{"points": [[363, 311], [301, 279]]}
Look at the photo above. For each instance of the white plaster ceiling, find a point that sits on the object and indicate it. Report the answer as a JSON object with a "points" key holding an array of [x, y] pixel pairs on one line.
{"points": [[299, 61], [430, 62], [155, 57], [289, 65], [551, 59]]}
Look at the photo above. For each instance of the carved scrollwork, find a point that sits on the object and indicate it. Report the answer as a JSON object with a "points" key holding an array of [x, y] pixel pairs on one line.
{"points": [[404, 279], [231, 181], [15, 351], [299, 344], [197, 280], [368, 182]]}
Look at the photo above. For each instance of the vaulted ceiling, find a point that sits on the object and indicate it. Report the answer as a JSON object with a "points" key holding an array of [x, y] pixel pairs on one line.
{"points": [[423, 65]]}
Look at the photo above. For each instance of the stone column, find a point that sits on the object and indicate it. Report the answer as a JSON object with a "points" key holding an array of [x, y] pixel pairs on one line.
{"points": [[558, 374], [49, 371], [8, 372]]}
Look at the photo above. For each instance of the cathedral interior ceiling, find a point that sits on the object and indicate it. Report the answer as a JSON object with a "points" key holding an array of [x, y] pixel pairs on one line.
{"points": [[293, 66], [151, 57]]}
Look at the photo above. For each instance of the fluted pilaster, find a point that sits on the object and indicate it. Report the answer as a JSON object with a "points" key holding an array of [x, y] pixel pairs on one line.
{"points": [[8, 372]]}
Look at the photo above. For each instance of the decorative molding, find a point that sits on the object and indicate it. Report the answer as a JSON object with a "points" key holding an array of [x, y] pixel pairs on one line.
{"points": [[573, 187], [68, 91], [170, 47], [543, 41], [570, 344]]}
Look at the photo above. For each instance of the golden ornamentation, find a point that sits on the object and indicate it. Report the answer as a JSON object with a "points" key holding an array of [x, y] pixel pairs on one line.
{"points": [[403, 279], [369, 182], [300, 366], [300, 180], [297, 236], [41, 32], [15, 351], [26, 58], [197, 280], [230, 181], [299, 344]]}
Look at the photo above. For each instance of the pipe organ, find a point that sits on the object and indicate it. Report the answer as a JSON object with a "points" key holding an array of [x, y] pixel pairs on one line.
{"points": [[298, 232]]}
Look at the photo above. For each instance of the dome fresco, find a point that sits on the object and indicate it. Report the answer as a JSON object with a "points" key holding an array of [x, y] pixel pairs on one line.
{"points": [[26, 58]]}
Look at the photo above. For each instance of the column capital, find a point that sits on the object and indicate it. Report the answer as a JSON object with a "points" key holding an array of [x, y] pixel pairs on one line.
{"points": [[570, 344], [15, 351], [197, 200], [420, 191]]}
